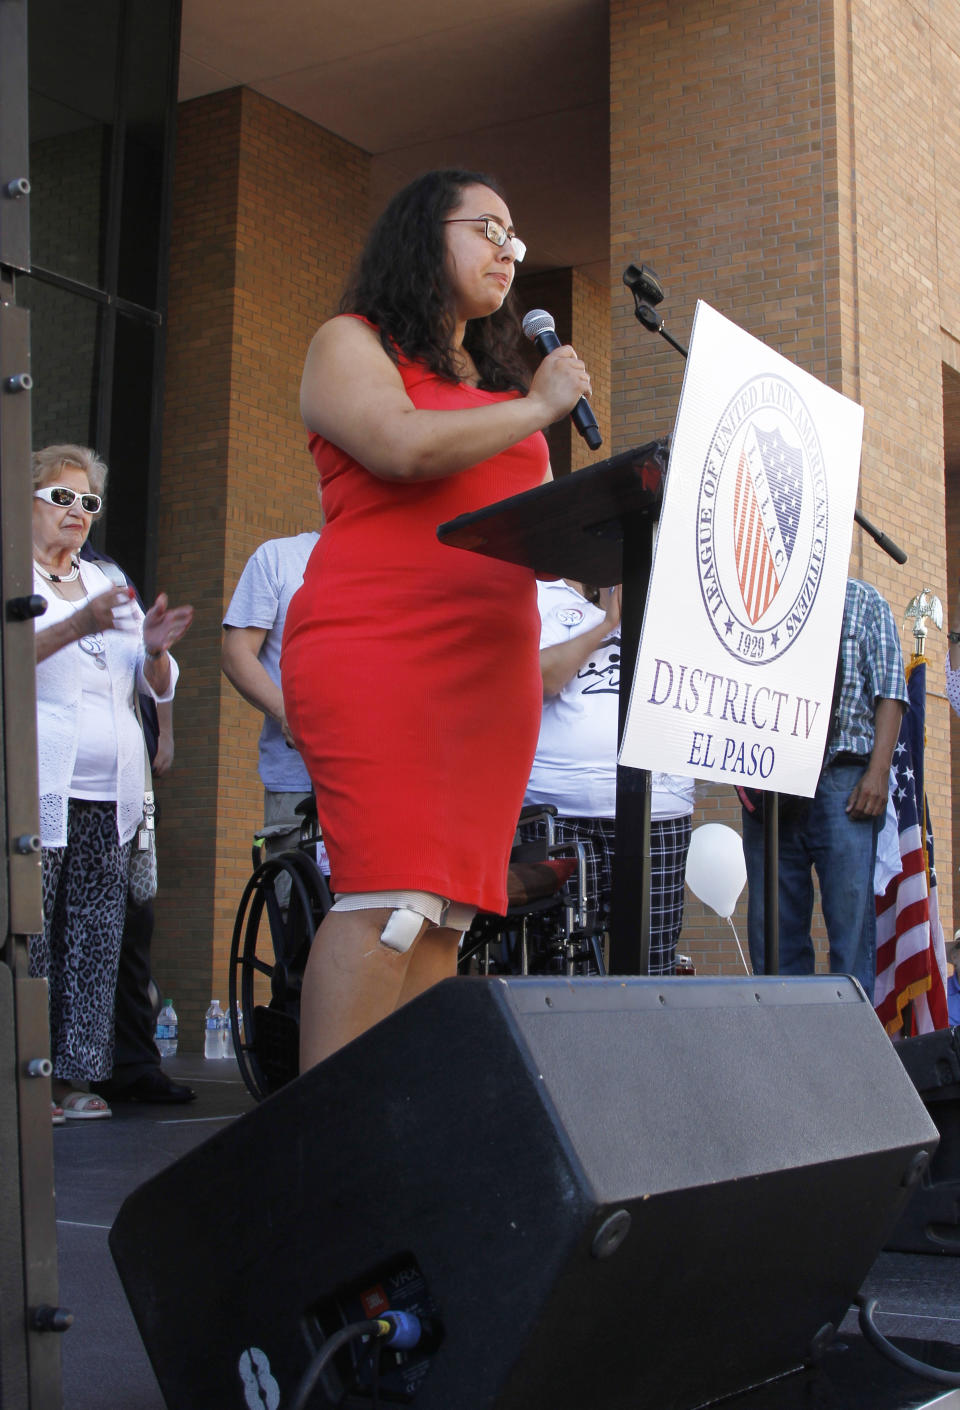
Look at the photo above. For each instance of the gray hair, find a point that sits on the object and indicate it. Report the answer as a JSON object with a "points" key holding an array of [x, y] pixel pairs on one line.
{"points": [[47, 463]]}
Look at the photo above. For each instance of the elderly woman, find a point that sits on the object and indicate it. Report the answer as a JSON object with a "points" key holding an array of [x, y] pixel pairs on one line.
{"points": [[95, 651]]}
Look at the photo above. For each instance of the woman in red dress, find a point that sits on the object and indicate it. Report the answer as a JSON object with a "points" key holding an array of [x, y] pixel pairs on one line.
{"points": [[411, 670]]}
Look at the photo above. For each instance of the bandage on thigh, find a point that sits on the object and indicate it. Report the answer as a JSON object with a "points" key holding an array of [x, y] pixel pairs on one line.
{"points": [[409, 909]]}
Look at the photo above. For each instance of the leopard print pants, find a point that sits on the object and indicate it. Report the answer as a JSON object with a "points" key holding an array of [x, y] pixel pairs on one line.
{"points": [[84, 903]]}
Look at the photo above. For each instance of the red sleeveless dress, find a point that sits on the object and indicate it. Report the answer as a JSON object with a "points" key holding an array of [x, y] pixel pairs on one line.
{"points": [[411, 675]]}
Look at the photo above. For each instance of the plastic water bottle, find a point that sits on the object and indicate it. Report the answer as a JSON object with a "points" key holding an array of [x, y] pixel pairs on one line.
{"points": [[228, 1051], [213, 1031], [165, 1036], [229, 1038]]}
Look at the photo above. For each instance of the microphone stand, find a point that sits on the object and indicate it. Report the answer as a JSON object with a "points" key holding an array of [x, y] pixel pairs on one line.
{"points": [[643, 282], [652, 320]]}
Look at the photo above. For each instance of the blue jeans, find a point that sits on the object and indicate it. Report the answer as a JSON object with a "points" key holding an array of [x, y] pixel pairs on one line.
{"points": [[843, 852]]}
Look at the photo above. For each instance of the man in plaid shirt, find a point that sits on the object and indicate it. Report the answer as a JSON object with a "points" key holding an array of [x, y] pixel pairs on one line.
{"points": [[836, 831]]}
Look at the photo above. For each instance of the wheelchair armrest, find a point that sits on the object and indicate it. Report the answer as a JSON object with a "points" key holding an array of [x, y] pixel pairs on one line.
{"points": [[584, 918], [271, 830], [534, 851]]}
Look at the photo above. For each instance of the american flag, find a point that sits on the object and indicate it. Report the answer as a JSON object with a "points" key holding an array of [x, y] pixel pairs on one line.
{"points": [[911, 957]]}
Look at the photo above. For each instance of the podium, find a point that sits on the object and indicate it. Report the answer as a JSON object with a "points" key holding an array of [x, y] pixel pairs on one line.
{"points": [[595, 526]]}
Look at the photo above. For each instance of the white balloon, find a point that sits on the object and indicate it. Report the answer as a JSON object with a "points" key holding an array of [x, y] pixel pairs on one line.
{"points": [[716, 871]]}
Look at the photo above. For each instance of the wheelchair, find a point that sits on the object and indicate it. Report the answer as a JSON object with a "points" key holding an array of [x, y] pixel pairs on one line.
{"points": [[553, 923], [272, 935], [552, 926]]}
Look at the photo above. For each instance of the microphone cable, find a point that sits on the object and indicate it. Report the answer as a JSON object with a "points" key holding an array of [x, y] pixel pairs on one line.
{"points": [[867, 1307], [399, 1329]]}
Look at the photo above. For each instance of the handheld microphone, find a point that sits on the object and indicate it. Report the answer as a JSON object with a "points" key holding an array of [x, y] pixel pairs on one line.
{"points": [[540, 328]]}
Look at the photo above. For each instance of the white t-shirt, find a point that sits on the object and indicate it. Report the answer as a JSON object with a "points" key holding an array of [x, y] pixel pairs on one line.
{"points": [[272, 575], [575, 767]]}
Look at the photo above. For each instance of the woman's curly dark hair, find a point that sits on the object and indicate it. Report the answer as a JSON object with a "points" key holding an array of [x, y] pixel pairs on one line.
{"points": [[401, 285]]}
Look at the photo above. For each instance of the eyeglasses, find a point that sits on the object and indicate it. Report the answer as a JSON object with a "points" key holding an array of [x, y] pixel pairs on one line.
{"points": [[62, 496], [494, 231]]}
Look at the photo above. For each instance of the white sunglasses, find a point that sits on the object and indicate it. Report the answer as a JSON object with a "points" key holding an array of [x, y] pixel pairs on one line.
{"points": [[62, 496]]}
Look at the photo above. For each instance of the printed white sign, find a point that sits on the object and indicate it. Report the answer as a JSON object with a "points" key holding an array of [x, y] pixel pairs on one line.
{"points": [[735, 671]]}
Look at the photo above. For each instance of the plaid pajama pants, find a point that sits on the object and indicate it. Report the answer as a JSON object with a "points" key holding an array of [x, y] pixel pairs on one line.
{"points": [[669, 840]]}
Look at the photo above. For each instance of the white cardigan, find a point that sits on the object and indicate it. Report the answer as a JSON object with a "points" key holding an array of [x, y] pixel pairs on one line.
{"points": [[59, 713]]}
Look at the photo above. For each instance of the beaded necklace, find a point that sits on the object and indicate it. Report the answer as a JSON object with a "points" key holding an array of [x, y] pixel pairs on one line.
{"points": [[70, 577]]}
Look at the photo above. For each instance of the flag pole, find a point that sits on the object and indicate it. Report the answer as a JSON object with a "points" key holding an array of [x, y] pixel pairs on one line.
{"points": [[911, 962]]}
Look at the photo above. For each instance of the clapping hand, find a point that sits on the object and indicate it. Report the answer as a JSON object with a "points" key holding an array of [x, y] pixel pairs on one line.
{"points": [[163, 625]]}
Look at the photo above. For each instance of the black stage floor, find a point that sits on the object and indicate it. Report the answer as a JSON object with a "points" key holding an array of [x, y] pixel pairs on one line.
{"points": [[105, 1367]]}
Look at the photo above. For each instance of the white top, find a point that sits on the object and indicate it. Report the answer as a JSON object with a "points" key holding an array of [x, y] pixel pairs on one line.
{"points": [[95, 765], [575, 767], [74, 709], [272, 575]]}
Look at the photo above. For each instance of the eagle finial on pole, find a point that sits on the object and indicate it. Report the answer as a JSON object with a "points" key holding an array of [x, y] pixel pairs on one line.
{"points": [[924, 607]]}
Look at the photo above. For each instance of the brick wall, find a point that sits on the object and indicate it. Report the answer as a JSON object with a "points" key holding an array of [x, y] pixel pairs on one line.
{"points": [[790, 165], [898, 212], [268, 212], [590, 325]]}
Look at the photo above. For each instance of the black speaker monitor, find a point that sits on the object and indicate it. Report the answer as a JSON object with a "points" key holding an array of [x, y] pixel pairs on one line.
{"points": [[930, 1223], [598, 1195]]}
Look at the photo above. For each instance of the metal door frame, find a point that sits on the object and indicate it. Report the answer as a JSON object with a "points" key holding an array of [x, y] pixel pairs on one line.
{"points": [[29, 1355]]}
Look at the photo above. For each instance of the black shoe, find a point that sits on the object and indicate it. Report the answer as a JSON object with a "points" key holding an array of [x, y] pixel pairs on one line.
{"points": [[151, 1086]]}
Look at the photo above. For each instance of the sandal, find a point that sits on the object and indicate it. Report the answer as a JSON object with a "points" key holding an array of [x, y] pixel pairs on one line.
{"points": [[56, 1111], [84, 1106]]}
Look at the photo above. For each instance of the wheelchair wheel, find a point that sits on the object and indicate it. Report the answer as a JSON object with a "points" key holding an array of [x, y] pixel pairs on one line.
{"points": [[268, 955]]}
